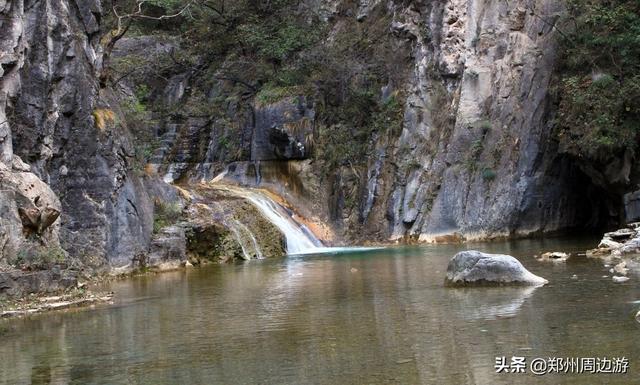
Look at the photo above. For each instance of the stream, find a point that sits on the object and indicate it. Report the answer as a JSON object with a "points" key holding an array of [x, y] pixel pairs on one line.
{"points": [[359, 317]]}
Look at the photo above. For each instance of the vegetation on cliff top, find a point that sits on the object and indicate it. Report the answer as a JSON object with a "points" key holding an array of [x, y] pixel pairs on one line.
{"points": [[268, 51], [599, 117]]}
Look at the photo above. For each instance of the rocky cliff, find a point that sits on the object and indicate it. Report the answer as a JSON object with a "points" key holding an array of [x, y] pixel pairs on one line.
{"points": [[490, 167], [471, 154], [389, 120], [64, 143], [476, 157]]}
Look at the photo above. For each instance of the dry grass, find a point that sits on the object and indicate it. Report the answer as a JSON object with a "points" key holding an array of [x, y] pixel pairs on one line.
{"points": [[103, 117]]}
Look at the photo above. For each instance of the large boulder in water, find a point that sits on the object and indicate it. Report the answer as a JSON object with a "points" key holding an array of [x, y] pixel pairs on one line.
{"points": [[473, 268]]}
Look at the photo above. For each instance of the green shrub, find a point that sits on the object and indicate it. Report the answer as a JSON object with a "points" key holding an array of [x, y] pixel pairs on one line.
{"points": [[271, 94], [476, 148], [484, 125], [142, 92], [166, 214], [389, 116], [346, 137], [276, 40], [599, 116], [38, 257], [488, 174]]}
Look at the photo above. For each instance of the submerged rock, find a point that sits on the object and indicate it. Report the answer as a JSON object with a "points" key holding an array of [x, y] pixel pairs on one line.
{"points": [[34, 305], [620, 268], [555, 257], [617, 279], [471, 268]]}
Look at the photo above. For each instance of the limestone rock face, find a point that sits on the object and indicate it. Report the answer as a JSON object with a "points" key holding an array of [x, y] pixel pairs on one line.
{"points": [[475, 157], [632, 206], [66, 150], [282, 130], [472, 268], [16, 284], [491, 171], [28, 207], [168, 248]]}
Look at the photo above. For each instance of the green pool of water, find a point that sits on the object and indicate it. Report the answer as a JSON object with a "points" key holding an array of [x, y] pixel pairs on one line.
{"points": [[368, 317]]}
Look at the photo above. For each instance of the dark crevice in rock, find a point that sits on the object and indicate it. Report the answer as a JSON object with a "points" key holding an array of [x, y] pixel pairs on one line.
{"points": [[134, 207]]}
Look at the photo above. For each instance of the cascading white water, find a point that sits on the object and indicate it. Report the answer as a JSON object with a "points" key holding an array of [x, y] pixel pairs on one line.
{"points": [[241, 233], [254, 242], [238, 236], [299, 239]]}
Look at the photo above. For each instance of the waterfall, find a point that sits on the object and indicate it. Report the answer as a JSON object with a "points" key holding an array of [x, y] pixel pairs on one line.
{"points": [[254, 242], [300, 240], [241, 233]]}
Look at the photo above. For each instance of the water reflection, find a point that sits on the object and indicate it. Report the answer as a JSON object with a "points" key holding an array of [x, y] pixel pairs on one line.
{"points": [[489, 303], [378, 317]]}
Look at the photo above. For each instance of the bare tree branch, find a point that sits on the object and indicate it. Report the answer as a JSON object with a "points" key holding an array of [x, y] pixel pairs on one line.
{"points": [[123, 22], [138, 14], [127, 74]]}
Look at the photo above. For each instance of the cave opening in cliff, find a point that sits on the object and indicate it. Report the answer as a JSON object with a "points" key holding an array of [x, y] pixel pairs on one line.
{"points": [[595, 208]]}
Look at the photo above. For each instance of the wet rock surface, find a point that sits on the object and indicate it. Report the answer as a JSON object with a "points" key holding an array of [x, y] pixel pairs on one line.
{"points": [[621, 243], [212, 242], [620, 249], [473, 268], [224, 227]]}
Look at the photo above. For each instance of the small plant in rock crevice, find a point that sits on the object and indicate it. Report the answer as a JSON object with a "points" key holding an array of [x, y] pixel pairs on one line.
{"points": [[488, 174], [39, 257], [166, 214]]}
